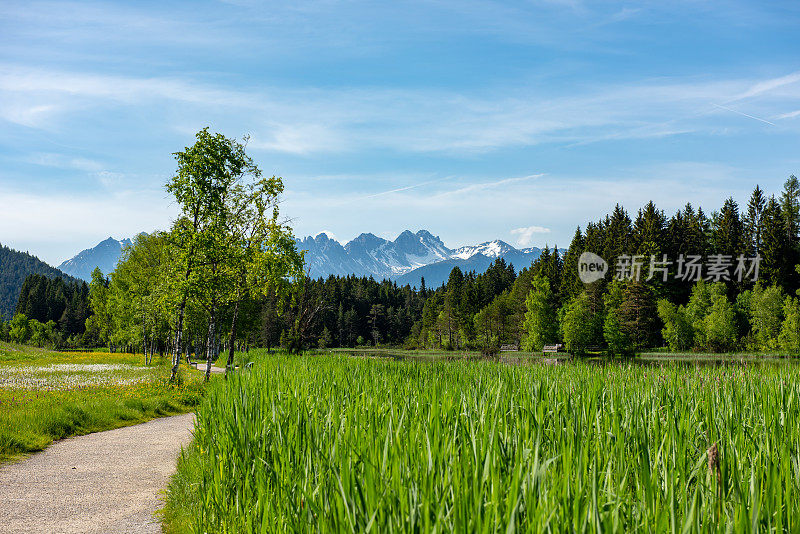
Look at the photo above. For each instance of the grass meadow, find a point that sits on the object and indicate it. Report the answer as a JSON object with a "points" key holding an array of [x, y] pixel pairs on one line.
{"points": [[46, 395], [330, 443]]}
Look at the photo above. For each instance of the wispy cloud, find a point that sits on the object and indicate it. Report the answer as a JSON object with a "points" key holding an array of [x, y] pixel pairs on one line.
{"points": [[765, 86], [63, 161], [404, 188], [312, 120], [496, 184]]}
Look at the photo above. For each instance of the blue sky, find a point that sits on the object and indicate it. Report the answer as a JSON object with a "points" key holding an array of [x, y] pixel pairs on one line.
{"points": [[475, 120]]}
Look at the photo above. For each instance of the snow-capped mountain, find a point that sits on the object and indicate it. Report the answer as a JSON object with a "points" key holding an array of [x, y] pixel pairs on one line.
{"points": [[407, 259], [370, 255], [104, 255], [490, 249]]}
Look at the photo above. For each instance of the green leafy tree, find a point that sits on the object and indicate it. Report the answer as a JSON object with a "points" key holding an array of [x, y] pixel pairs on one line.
{"points": [[541, 323], [20, 329], [789, 338], [765, 312], [100, 322], [581, 325], [719, 326], [216, 181], [677, 331], [616, 334], [261, 258]]}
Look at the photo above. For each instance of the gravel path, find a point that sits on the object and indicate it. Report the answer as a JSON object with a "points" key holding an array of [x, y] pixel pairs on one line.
{"points": [[104, 482]]}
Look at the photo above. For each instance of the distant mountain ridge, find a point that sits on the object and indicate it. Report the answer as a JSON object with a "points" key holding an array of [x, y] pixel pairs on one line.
{"points": [[15, 266], [407, 259]]}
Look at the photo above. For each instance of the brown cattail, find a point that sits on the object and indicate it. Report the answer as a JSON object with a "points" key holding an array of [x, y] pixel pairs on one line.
{"points": [[713, 458], [713, 463]]}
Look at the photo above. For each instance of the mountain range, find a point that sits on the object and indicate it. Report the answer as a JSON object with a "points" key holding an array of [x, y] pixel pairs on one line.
{"points": [[406, 260]]}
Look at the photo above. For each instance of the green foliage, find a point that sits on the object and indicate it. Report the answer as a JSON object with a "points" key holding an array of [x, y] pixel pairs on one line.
{"points": [[541, 324], [637, 315], [616, 334], [20, 331], [789, 338], [678, 331], [765, 313], [581, 325], [493, 322], [66, 304], [713, 317], [718, 330], [325, 340]]}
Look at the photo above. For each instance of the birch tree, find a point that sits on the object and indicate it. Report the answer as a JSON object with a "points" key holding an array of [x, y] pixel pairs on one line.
{"points": [[207, 173]]}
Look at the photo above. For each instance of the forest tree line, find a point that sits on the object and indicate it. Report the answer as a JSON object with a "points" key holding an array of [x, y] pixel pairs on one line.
{"points": [[227, 275]]}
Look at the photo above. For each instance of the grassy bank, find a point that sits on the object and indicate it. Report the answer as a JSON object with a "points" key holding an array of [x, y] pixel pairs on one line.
{"points": [[46, 396], [330, 443]]}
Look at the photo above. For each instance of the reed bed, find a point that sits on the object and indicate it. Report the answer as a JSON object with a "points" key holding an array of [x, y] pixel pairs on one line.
{"points": [[337, 444]]}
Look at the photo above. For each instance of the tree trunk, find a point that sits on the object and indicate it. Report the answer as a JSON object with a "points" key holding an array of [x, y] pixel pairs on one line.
{"points": [[176, 355], [212, 333], [233, 335]]}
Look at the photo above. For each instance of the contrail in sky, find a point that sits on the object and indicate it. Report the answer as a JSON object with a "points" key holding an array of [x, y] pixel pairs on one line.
{"points": [[406, 188], [745, 114]]}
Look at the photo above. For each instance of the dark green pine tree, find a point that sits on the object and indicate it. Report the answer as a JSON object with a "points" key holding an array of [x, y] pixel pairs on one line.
{"points": [[728, 230], [752, 221], [790, 208], [648, 230], [677, 241], [773, 251], [571, 285], [554, 270], [617, 236], [594, 241], [728, 240], [638, 316], [540, 264], [700, 232], [340, 329], [453, 306]]}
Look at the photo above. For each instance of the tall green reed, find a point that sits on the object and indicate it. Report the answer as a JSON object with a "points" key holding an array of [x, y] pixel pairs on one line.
{"points": [[331, 444]]}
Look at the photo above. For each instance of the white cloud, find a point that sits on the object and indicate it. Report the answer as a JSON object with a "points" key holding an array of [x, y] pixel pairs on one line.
{"points": [[525, 235], [56, 226]]}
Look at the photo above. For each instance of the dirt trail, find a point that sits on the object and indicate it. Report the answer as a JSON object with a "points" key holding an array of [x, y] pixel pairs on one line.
{"points": [[104, 482]]}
